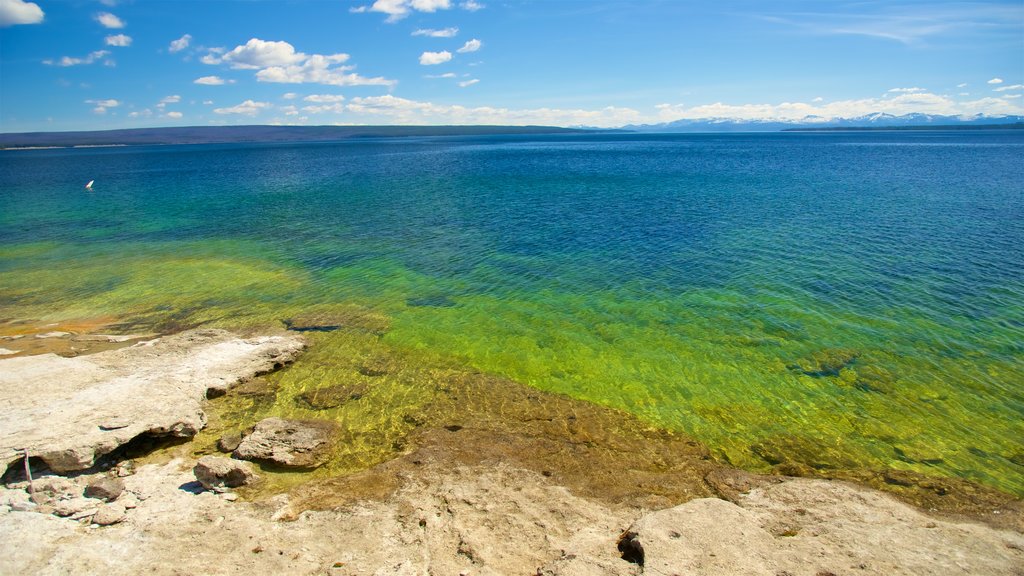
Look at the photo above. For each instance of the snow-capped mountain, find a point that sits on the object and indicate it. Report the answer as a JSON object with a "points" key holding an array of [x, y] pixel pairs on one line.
{"points": [[874, 120]]}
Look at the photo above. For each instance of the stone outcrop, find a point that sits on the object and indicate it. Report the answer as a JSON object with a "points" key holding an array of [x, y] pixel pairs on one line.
{"points": [[69, 411], [217, 473], [288, 443]]}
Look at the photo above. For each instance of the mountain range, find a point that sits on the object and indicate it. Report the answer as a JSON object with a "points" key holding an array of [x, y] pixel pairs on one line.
{"points": [[878, 120]]}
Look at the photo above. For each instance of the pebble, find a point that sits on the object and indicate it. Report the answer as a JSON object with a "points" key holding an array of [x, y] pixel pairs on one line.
{"points": [[109, 514], [229, 496]]}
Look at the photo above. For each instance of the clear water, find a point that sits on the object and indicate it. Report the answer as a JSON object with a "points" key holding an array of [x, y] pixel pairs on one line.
{"points": [[839, 300]]}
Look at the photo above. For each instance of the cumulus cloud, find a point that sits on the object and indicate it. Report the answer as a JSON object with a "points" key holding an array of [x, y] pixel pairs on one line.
{"points": [[248, 108], [141, 113], [1011, 87], [471, 6], [468, 83], [175, 115], [398, 9], [173, 99], [91, 58], [278, 61], [445, 75], [471, 46], [1010, 96], [108, 20], [14, 12], [964, 85], [289, 96], [289, 110], [180, 44], [323, 98], [317, 69], [442, 33], [258, 53], [433, 58], [337, 108], [212, 81], [101, 106], [907, 90], [818, 99], [996, 81], [118, 40]]}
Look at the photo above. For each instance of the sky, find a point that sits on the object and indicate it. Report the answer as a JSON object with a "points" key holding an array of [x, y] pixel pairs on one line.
{"points": [[105, 64]]}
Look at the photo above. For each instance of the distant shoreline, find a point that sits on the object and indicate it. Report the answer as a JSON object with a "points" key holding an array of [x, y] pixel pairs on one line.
{"points": [[257, 134]]}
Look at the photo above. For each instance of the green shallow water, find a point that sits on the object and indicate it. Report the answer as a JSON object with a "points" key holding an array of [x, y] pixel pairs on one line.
{"points": [[840, 301]]}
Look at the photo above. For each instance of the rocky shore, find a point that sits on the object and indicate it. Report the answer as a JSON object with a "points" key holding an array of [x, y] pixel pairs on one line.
{"points": [[564, 493]]}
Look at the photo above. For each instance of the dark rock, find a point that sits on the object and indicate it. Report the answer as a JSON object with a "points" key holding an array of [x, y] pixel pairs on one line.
{"points": [[350, 318], [439, 301], [289, 443], [229, 441], [630, 548], [105, 489], [332, 396], [216, 473]]}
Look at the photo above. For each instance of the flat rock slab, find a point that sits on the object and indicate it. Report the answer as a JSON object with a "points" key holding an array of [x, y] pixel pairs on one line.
{"points": [[289, 443], [69, 411]]}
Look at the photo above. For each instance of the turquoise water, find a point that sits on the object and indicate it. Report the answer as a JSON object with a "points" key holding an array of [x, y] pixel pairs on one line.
{"points": [[839, 300]]}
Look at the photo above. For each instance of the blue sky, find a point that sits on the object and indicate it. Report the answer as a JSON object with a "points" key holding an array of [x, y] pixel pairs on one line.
{"points": [[99, 64]]}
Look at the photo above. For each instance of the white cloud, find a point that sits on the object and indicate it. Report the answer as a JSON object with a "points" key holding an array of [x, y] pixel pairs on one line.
{"points": [[471, 5], [101, 106], [1011, 87], [212, 81], [398, 9], [14, 12], [337, 108], [432, 58], [445, 75], [1011, 96], [317, 70], [996, 81], [323, 98], [248, 108], [258, 53], [907, 90], [964, 94], [108, 20], [69, 61], [442, 33], [141, 114], [289, 96], [118, 40], [468, 83], [964, 85], [395, 110], [207, 102], [175, 115], [174, 99], [180, 44], [471, 46], [289, 110], [818, 99]]}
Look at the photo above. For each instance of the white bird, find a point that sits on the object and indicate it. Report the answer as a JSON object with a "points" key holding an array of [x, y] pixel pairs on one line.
{"points": [[89, 185]]}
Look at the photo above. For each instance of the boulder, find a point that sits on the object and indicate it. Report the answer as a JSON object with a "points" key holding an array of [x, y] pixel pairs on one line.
{"points": [[109, 514], [289, 443], [105, 489], [217, 473]]}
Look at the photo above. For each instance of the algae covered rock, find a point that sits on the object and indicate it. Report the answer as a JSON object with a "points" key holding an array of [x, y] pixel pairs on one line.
{"points": [[332, 396], [826, 362], [355, 318], [289, 443]]}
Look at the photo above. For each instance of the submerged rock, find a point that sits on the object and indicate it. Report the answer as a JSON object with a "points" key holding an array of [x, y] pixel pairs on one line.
{"points": [[332, 396], [289, 443], [217, 473], [348, 317], [827, 362]]}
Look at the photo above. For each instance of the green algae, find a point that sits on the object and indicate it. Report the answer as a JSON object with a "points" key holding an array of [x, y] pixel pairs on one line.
{"points": [[785, 386]]}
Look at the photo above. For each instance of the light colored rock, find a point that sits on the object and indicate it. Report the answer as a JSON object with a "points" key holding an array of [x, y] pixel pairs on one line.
{"points": [[68, 411], [53, 335], [818, 527], [218, 474], [109, 514], [290, 443], [7, 351], [73, 506]]}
